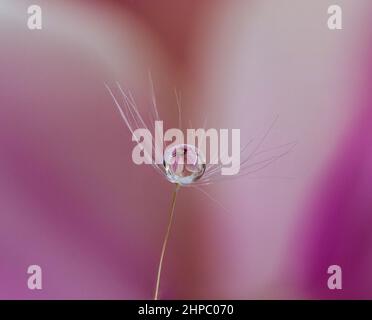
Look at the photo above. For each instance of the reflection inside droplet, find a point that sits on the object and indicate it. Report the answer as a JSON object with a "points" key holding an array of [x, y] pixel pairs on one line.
{"points": [[183, 164]]}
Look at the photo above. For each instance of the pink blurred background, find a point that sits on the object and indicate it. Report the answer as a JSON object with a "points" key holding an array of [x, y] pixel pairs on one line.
{"points": [[73, 202]]}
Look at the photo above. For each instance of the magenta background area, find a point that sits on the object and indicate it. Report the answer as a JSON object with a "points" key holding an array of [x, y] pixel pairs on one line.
{"points": [[73, 202]]}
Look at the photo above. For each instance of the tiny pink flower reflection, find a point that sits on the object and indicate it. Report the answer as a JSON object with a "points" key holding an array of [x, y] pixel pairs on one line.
{"points": [[185, 165]]}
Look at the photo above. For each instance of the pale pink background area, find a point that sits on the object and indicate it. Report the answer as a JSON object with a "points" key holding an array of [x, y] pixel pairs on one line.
{"points": [[73, 202]]}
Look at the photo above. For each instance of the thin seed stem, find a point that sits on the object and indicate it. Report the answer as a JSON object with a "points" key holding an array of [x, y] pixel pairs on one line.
{"points": [[165, 242]]}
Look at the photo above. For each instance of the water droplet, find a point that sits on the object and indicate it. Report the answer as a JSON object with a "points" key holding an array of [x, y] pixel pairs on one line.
{"points": [[183, 164]]}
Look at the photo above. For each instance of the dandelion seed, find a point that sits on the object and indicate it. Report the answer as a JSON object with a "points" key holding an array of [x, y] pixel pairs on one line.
{"points": [[184, 165]]}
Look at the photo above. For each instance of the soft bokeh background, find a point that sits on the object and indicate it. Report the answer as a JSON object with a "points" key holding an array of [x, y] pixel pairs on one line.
{"points": [[73, 202]]}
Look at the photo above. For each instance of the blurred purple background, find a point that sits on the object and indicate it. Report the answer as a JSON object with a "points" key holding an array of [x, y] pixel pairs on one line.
{"points": [[73, 202]]}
